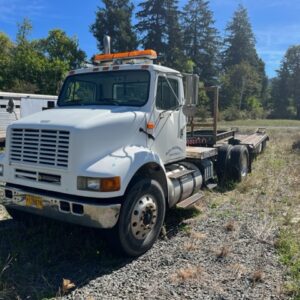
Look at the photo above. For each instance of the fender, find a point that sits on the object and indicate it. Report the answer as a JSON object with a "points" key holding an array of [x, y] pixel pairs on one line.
{"points": [[124, 162]]}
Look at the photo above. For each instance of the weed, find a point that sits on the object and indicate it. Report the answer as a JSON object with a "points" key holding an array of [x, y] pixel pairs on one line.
{"points": [[257, 276], [223, 252], [289, 249], [238, 270], [230, 226], [197, 235], [190, 246], [185, 274]]}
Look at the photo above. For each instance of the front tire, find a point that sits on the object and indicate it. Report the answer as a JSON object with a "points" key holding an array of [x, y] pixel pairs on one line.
{"points": [[141, 218]]}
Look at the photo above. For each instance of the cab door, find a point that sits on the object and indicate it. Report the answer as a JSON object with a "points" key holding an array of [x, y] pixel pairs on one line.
{"points": [[170, 123]]}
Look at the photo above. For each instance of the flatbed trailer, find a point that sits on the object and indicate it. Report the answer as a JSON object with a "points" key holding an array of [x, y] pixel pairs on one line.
{"points": [[209, 136]]}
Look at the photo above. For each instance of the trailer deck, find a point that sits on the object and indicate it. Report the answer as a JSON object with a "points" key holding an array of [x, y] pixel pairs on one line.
{"points": [[200, 152]]}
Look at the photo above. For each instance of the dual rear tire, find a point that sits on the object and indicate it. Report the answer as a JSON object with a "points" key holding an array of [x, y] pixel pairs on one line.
{"points": [[233, 163]]}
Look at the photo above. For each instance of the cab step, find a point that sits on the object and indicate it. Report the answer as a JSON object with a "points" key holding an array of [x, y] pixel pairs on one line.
{"points": [[176, 175], [190, 201]]}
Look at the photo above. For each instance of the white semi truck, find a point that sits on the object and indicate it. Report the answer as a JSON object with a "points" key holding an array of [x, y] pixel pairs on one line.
{"points": [[113, 153]]}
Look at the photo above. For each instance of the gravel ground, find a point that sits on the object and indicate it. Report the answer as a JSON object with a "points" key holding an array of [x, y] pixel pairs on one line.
{"points": [[221, 254]]}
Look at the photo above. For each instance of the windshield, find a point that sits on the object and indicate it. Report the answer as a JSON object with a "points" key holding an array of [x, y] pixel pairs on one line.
{"points": [[125, 88]]}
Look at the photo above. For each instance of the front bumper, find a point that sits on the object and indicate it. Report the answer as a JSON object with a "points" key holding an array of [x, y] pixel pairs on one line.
{"points": [[79, 212]]}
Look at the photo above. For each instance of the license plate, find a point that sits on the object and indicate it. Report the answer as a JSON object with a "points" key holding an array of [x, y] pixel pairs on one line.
{"points": [[34, 201]]}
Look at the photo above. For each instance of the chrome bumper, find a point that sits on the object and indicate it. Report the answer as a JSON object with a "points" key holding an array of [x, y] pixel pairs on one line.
{"points": [[91, 215]]}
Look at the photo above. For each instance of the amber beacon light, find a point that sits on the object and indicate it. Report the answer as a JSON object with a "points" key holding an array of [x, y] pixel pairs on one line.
{"points": [[149, 54]]}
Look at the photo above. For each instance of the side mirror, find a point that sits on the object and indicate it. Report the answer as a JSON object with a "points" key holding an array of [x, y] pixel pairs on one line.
{"points": [[191, 87], [191, 91], [10, 106]]}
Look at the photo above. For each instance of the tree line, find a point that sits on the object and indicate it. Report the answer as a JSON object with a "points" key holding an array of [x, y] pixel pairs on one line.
{"points": [[185, 39]]}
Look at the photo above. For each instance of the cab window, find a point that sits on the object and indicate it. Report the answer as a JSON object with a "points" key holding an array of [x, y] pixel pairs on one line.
{"points": [[165, 97]]}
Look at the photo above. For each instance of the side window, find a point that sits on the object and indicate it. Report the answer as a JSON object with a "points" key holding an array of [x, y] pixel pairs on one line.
{"points": [[165, 98]]}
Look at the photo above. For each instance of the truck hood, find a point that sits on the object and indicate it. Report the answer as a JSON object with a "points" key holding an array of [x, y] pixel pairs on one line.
{"points": [[94, 132], [78, 117]]}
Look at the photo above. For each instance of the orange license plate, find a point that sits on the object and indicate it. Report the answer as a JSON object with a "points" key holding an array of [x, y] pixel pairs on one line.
{"points": [[34, 201]]}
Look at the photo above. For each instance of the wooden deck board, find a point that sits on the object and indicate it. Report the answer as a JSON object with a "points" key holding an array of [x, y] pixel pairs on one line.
{"points": [[200, 152]]}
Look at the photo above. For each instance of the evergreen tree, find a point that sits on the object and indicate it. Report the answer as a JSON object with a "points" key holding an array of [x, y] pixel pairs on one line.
{"points": [[240, 41], [152, 25], [240, 57], [286, 87], [159, 29], [174, 57], [201, 40], [114, 19]]}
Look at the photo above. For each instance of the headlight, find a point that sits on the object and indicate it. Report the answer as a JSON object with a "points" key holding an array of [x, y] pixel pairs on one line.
{"points": [[1, 170], [112, 184]]}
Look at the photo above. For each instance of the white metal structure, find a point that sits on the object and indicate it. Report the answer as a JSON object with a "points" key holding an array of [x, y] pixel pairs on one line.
{"points": [[25, 104]]}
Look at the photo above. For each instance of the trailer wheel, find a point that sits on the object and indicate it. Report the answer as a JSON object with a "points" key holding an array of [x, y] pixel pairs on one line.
{"points": [[223, 162], [141, 218], [263, 146], [239, 162]]}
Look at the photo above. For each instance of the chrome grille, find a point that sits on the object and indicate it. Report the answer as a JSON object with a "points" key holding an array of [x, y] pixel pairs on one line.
{"points": [[40, 146]]}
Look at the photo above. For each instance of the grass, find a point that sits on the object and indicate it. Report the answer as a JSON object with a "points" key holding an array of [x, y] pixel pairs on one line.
{"points": [[272, 190], [262, 123]]}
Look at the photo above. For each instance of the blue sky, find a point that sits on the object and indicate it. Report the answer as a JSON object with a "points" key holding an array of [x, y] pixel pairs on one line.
{"points": [[276, 23]]}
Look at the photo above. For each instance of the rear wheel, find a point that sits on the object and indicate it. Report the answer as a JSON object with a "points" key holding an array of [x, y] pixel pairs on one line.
{"points": [[141, 218], [239, 162], [263, 145], [223, 162]]}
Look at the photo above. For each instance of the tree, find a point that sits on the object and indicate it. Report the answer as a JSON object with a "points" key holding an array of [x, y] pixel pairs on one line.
{"points": [[175, 57], [152, 25], [240, 41], [240, 83], [114, 19], [201, 40], [6, 47], [58, 46], [240, 58], [27, 63], [286, 87]]}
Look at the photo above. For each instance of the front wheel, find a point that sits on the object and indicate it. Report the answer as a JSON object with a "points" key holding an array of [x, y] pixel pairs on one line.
{"points": [[141, 218]]}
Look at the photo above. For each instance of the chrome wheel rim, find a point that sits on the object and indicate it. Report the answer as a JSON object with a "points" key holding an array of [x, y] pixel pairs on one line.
{"points": [[143, 217], [244, 166]]}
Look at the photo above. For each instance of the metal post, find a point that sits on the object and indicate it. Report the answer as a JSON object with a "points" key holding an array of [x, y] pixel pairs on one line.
{"points": [[216, 112]]}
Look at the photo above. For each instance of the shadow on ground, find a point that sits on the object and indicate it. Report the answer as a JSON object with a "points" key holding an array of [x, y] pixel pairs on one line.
{"points": [[35, 258]]}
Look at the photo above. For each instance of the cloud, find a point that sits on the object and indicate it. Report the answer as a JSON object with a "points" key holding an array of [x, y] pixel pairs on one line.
{"points": [[273, 42], [12, 10], [278, 36]]}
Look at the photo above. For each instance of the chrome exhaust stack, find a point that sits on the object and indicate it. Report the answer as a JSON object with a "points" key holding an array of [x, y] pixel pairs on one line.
{"points": [[107, 43]]}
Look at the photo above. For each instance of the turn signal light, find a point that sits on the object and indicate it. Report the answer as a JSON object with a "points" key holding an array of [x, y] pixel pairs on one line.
{"points": [[110, 184], [150, 125]]}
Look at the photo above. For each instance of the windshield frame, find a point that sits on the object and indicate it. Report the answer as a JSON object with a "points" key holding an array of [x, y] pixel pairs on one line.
{"points": [[60, 104]]}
